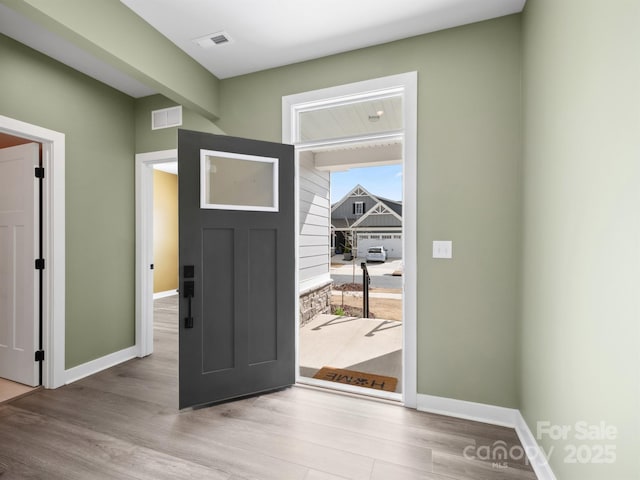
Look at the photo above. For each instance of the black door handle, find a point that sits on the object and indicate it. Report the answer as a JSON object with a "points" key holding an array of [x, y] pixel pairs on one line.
{"points": [[188, 292]]}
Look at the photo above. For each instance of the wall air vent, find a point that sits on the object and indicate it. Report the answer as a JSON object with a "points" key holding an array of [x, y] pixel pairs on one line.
{"points": [[166, 118], [213, 39]]}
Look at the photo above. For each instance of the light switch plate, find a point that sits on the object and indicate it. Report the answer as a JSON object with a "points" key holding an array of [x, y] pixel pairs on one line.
{"points": [[442, 249]]}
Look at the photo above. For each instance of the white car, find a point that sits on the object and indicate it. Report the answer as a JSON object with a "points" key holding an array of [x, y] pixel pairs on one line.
{"points": [[376, 254]]}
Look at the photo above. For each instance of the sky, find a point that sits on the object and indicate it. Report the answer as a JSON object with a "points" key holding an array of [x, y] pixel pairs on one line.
{"points": [[383, 181]]}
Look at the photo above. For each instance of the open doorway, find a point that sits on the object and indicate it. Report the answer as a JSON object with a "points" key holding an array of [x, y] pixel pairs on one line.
{"points": [[147, 166], [51, 283], [20, 288], [165, 230], [371, 123], [358, 339]]}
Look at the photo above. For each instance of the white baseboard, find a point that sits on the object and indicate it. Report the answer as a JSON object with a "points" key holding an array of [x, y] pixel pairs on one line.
{"points": [[478, 412], [164, 294], [537, 457], [491, 414], [94, 366]]}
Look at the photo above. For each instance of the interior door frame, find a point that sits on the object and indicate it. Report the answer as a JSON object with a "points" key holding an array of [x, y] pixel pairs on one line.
{"points": [[407, 86], [53, 235], [144, 245]]}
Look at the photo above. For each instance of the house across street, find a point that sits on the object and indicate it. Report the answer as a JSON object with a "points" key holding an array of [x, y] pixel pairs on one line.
{"points": [[361, 220]]}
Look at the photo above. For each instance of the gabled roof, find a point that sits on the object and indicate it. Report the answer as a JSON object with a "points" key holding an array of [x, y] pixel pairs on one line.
{"points": [[395, 205], [391, 209], [357, 191], [378, 209]]}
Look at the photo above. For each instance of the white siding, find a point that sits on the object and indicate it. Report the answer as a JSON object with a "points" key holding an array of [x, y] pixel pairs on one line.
{"points": [[315, 220]]}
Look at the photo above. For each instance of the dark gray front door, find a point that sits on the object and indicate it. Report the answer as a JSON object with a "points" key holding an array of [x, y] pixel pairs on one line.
{"points": [[237, 290]]}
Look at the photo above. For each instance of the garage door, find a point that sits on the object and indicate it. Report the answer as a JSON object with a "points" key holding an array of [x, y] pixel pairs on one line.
{"points": [[391, 241]]}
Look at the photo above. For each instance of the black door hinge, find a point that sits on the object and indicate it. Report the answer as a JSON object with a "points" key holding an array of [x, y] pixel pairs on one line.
{"points": [[39, 263], [39, 355], [39, 172]]}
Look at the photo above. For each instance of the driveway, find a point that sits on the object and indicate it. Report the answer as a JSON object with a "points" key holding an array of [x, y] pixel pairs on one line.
{"points": [[381, 273]]}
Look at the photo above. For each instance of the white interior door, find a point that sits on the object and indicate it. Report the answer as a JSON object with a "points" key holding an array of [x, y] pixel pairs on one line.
{"points": [[18, 276]]}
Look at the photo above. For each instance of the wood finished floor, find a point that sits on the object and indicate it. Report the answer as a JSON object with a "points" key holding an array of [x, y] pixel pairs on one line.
{"points": [[11, 390], [123, 424]]}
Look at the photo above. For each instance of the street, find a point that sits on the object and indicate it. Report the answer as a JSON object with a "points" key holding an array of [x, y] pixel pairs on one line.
{"points": [[381, 273]]}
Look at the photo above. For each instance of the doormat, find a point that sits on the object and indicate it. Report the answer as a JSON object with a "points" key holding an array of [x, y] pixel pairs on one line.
{"points": [[357, 379]]}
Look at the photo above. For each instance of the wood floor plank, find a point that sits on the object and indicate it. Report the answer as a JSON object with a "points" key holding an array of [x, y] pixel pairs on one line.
{"points": [[386, 471], [323, 436], [67, 451], [463, 468], [363, 424], [316, 475], [124, 423], [162, 429]]}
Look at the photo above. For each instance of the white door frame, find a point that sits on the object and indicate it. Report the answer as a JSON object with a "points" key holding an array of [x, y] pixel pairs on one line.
{"points": [[407, 85], [144, 245], [53, 215]]}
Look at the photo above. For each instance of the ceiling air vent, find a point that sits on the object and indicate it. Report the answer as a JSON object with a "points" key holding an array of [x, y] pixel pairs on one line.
{"points": [[214, 39], [219, 39], [166, 118]]}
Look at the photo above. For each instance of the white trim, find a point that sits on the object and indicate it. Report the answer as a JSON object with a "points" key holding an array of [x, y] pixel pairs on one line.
{"points": [[410, 239], [144, 246], [296, 258], [94, 366], [325, 384], [166, 293], [352, 141], [537, 457], [205, 181], [493, 415], [405, 84], [478, 412], [369, 212], [54, 244], [392, 230]]}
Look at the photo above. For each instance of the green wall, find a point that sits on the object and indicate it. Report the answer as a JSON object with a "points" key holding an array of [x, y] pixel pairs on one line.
{"points": [[469, 140], [113, 33], [99, 126], [581, 262]]}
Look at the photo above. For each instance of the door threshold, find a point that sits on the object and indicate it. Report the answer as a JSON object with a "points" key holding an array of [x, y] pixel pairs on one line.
{"points": [[349, 390], [10, 391]]}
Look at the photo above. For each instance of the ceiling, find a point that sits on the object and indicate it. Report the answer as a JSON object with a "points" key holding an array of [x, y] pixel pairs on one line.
{"points": [[263, 33], [355, 118], [270, 33]]}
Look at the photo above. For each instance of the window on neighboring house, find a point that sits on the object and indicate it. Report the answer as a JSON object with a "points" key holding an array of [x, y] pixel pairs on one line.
{"points": [[358, 208]]}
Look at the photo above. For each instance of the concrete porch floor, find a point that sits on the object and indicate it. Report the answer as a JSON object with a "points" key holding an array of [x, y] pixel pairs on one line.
{"points": [[362, 344]]}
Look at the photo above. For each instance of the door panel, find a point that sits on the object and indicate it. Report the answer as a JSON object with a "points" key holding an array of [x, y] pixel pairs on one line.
{"points": [[263, 311], [18, 250], [218, 249], [239, 338]]}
